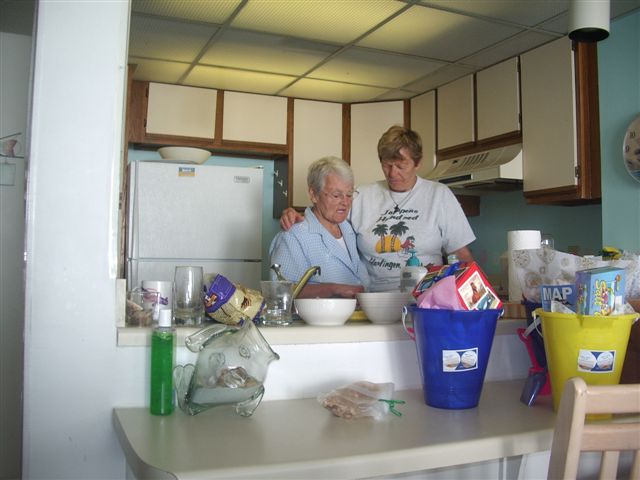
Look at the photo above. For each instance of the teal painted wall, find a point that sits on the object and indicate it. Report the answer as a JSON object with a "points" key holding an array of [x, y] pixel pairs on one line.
{"points": [[269, 226], [577, 226], [619, 78]]}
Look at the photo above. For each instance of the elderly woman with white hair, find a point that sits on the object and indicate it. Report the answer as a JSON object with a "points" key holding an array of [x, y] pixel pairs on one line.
{"points": [[324, 238]]}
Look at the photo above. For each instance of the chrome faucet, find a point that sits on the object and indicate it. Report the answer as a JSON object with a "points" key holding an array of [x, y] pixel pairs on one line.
{"points": [[305, 278], [301, 283]]}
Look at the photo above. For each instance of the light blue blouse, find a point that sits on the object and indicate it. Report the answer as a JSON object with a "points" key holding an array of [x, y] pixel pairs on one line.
{"points": [[309, 244]]}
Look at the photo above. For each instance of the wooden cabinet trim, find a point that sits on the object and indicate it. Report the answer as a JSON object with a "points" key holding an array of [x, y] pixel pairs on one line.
{"points": [[346, 132]]}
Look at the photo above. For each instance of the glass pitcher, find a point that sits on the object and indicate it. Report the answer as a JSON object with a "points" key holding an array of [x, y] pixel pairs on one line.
{"points": [[231, 368]]}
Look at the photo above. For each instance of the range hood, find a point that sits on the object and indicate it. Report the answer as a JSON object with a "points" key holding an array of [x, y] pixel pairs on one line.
{"points": [[496, 169]]}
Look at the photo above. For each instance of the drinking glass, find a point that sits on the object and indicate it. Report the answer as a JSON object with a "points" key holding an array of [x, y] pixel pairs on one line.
{"points": [[278, 298], [188, 306]]}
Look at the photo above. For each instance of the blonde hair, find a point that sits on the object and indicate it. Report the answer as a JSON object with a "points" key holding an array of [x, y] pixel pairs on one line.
{"points": [[396, 138]]}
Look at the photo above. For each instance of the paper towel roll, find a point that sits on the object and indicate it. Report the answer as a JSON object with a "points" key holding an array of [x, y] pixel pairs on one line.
{"points": [[519, 240]]}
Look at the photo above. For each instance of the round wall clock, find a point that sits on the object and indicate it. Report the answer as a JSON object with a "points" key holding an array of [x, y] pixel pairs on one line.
{"points": [[631, 149]]}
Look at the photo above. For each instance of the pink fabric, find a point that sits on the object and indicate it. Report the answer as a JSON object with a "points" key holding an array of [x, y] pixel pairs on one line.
{"points": [[441, 294]]}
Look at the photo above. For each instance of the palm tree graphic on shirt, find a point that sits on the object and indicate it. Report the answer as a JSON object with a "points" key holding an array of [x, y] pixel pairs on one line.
{"points": [[389, 243]]}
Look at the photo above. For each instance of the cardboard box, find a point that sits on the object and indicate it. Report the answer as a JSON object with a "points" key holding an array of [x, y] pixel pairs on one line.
{"points": [[599, 290], [473, 289], [561, 293]]}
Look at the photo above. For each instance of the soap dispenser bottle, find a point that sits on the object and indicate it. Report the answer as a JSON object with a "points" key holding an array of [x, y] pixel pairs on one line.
{"points": [[163, 348], [412, 273]]}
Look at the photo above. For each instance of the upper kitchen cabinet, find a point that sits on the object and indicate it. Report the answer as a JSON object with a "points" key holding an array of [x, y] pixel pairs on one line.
{"points": [[423, 121], [160, 114], [560, 139], [250, 117], [368, 122], [456, 113], [498, 100], [182, 111], [317, 132]]}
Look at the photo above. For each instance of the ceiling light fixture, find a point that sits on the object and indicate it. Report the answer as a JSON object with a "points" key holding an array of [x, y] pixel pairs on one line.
{"points": [[589, 20]]}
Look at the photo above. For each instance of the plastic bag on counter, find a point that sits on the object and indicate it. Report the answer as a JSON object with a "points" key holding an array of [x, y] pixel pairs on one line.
{"points": [[361, 399], [228, 303]]}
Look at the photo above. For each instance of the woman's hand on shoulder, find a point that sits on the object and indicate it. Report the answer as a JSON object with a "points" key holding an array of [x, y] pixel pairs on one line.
{"points": [[289, 218]]}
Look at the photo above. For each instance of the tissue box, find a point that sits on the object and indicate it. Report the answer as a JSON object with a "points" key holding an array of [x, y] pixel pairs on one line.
{"points": [[599, 290], [473, 289]]}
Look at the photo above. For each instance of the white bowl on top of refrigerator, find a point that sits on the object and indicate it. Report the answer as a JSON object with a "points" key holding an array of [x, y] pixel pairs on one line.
{"points": [[184, 154]]}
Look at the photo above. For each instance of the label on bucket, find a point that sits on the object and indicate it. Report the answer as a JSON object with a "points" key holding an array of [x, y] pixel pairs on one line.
{"points": [[596, 361], [460, 360]]}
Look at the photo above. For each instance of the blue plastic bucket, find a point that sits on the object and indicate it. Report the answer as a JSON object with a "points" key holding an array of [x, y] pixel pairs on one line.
{"points": [[453, 353]]}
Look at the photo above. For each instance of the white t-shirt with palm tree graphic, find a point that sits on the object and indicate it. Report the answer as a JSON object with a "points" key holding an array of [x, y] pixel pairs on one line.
{"points": [[390, 225]]}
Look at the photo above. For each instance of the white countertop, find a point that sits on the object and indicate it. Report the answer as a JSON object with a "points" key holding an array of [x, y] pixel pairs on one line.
{"points": [[301, 333], [300, 439]]}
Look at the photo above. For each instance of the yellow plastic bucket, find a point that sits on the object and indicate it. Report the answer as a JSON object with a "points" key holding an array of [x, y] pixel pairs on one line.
{"points": [[588, 346]]}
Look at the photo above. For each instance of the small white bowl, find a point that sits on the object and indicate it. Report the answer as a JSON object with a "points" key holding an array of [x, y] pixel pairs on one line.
{"points": [[325, 311], [184, 154], [384, 307]]}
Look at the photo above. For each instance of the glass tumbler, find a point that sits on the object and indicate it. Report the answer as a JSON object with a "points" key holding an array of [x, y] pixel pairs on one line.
{"points": [[278, 300], [188, 305]]}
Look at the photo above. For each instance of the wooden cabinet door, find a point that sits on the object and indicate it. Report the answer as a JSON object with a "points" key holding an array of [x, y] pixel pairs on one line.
{"points": [[549, 116], [498, 100], [181, 111], [368, 122], [423, 121], [251, 117], [456, 113], [317, 133]]}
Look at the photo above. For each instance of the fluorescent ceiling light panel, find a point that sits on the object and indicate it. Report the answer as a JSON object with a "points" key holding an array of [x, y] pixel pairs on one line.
{"points": [[259, 51], [332, 91], [436, 34], [373, 68], [211, 11], [339, 21], [237, 80], [166, 39], [157, 70]]}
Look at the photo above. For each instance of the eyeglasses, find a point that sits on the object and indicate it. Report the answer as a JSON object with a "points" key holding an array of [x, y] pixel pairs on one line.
{"points": [[338, 196]]}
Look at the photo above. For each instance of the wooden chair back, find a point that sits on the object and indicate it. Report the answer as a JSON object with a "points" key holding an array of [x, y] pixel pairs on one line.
{"points": [[610, 435]]}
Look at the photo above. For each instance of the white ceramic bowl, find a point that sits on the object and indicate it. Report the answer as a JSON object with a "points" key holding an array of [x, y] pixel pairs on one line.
{"points": [[325, 311], [384, 307], [184, 154]]}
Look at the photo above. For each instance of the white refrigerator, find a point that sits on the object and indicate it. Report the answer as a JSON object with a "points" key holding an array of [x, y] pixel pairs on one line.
{"points": [[186, 214]]}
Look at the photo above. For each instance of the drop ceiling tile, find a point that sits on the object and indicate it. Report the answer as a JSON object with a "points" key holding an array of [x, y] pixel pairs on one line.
{"points": [[439, 77], [331, 21], [332, 91], [198, 10], [166, 39], [368, 67], [157, 70], [559, 24], [396, 94], [509, 48], [236, 80], [521, 12], [436, 34], [621, 7], [264, 52]]}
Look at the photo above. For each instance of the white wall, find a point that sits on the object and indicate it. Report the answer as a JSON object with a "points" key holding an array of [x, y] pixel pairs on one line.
{"points": [[73, 371], [15, 59]]}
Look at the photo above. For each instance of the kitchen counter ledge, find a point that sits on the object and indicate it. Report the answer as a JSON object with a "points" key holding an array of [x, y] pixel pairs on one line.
{"points": [[300, 439], [301, 333]]}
